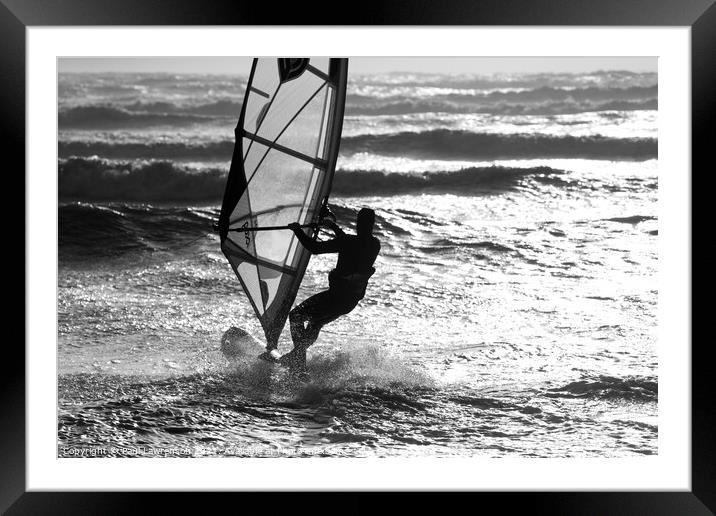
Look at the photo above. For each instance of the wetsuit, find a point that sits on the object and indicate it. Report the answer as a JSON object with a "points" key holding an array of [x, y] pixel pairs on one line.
{"points": [[347, 284]]}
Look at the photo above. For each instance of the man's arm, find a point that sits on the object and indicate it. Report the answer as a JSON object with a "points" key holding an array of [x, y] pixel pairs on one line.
{"points": [[330, 246], [333, 227]]}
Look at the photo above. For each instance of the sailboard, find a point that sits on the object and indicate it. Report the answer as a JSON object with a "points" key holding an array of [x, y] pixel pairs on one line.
{"points": [[287, 141]]}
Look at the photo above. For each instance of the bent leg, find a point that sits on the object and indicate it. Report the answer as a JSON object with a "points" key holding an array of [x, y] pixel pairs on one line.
{"points": [[307, 319]]}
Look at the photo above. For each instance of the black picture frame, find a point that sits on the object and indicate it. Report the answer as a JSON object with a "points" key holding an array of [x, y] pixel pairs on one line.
{"points": [[699, 15]]}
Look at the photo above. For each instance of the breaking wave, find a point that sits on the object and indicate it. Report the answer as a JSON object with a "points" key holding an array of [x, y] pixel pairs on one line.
{"points": [[607, 387], [605, 79], [97, 179], [219, 108], [144, 114], [386, 100], [466, 180], [107, 230], [436, 144], [456, 145], [567, 107], [104, 117], [220, 151]]}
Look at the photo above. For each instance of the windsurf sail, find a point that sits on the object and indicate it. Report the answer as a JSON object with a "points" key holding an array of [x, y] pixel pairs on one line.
{"points": [[281, 172]]}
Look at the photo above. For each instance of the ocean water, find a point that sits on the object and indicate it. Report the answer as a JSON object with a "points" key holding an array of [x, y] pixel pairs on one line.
{"points": [[513, 311]]}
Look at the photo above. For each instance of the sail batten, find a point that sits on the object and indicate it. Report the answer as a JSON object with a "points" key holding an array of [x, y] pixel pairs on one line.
{"points": [[281, 148], [318, 72], [284, 158], [262, 93]]}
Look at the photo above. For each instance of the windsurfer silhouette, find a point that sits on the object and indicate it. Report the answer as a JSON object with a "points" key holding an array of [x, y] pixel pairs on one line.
{"points": [[347, 282]]}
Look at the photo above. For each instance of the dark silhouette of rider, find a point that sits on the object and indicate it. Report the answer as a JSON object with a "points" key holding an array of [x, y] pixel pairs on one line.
{"points": [[347, 282]]}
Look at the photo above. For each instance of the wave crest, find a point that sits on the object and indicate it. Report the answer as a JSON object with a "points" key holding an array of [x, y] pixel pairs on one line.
{"points": [[607, 387], [435, 144], [456, 145], [96, 179], [103, 117]]}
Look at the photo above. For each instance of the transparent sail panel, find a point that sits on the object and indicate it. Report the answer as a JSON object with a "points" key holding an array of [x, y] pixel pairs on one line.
{"points": [[289, 130]]}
